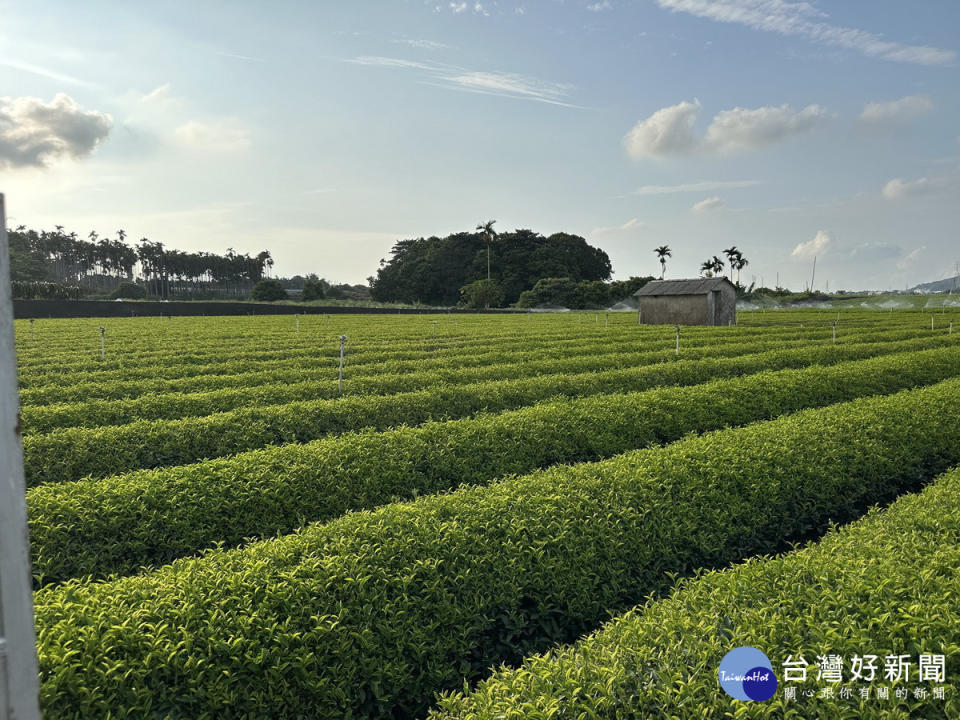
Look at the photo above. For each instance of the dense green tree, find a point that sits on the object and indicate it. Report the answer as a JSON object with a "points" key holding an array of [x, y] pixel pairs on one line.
{"points": [[432, 270], [268, 290], [481, 294], [313, 290], [550, 291]]}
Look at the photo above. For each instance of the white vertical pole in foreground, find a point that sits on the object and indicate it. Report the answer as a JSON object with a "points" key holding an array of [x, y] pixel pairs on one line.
{"points": [[18, 654]]}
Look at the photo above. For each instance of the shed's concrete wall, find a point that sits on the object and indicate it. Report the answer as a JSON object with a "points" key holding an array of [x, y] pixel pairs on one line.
{"points": [[674, 310], [712, 308], [726, 307]]}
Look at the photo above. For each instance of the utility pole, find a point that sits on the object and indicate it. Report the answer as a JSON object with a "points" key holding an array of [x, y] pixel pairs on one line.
{"points": [[813, 275], [19, 690]]}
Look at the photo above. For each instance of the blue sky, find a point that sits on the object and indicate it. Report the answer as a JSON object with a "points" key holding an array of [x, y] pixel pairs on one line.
{"points": [[325, 131]]}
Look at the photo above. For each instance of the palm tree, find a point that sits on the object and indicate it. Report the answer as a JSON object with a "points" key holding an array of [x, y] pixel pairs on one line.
{"points": [[486, 229], [706, 267], [717, 265], [731, 253], [740, 263], [663, 252]]}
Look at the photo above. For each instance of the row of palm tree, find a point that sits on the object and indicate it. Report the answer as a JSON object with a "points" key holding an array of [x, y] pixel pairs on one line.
{"points": [[711, 266], [104, 262]]}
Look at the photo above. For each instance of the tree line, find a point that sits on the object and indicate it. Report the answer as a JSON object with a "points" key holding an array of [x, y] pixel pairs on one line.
{"points": [[103, 263]]}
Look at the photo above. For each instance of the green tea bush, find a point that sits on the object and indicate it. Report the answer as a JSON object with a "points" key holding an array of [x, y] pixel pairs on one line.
{"points": [[73, 453], [373, 613], [885, 585], [117, 524]]}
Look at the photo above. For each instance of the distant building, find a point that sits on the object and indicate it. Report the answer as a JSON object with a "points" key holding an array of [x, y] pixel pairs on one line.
{"points": [[701, 301]]}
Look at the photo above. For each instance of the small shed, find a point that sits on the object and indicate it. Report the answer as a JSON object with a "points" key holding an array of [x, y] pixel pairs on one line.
{"points": [[700, 301]]}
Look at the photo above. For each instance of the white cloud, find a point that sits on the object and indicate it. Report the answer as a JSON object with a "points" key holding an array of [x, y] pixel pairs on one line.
{"points": [[898, 189], [746, 129], [458, 7], [817, 245], [703, 186], [34, 133], [802, 19], [214, 136], [896, 112], [599, 6], [670, 130], [707, 205]]}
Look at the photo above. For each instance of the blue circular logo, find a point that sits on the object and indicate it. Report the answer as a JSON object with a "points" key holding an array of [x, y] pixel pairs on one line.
{"points": [[746, 674]]}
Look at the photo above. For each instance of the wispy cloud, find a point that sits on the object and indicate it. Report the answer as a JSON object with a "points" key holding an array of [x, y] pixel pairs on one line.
{"points": [[220, 136], [631, 224], [235, 56], [390, 62], [44, 72], [502, 84], [422, 44], [703, 186], [599, 6], [802, 19], [896, 112], [899, 189], [707, 205]]}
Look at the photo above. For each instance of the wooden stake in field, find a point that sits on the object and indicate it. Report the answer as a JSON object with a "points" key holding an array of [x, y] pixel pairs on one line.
{"points": [[931, 322], [31, 329], [834, 332], [677, 327], [343, 342], [103, 331], [18, 655]]}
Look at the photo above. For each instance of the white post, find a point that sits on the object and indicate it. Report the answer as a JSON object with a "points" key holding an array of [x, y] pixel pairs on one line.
{"points": [[19, 689], [343, 341], [102, 348], [834, 333], [678, 338], [931, 322]]}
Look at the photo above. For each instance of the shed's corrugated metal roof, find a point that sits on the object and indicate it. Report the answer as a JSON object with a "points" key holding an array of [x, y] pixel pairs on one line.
{"points": [[694, 286]]}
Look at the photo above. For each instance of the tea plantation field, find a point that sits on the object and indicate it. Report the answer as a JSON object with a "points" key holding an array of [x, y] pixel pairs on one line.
{"points": [[523, 516]]}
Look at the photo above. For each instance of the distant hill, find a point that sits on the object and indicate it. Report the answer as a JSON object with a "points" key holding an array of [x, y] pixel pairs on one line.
{"points": [[939, 285]]}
